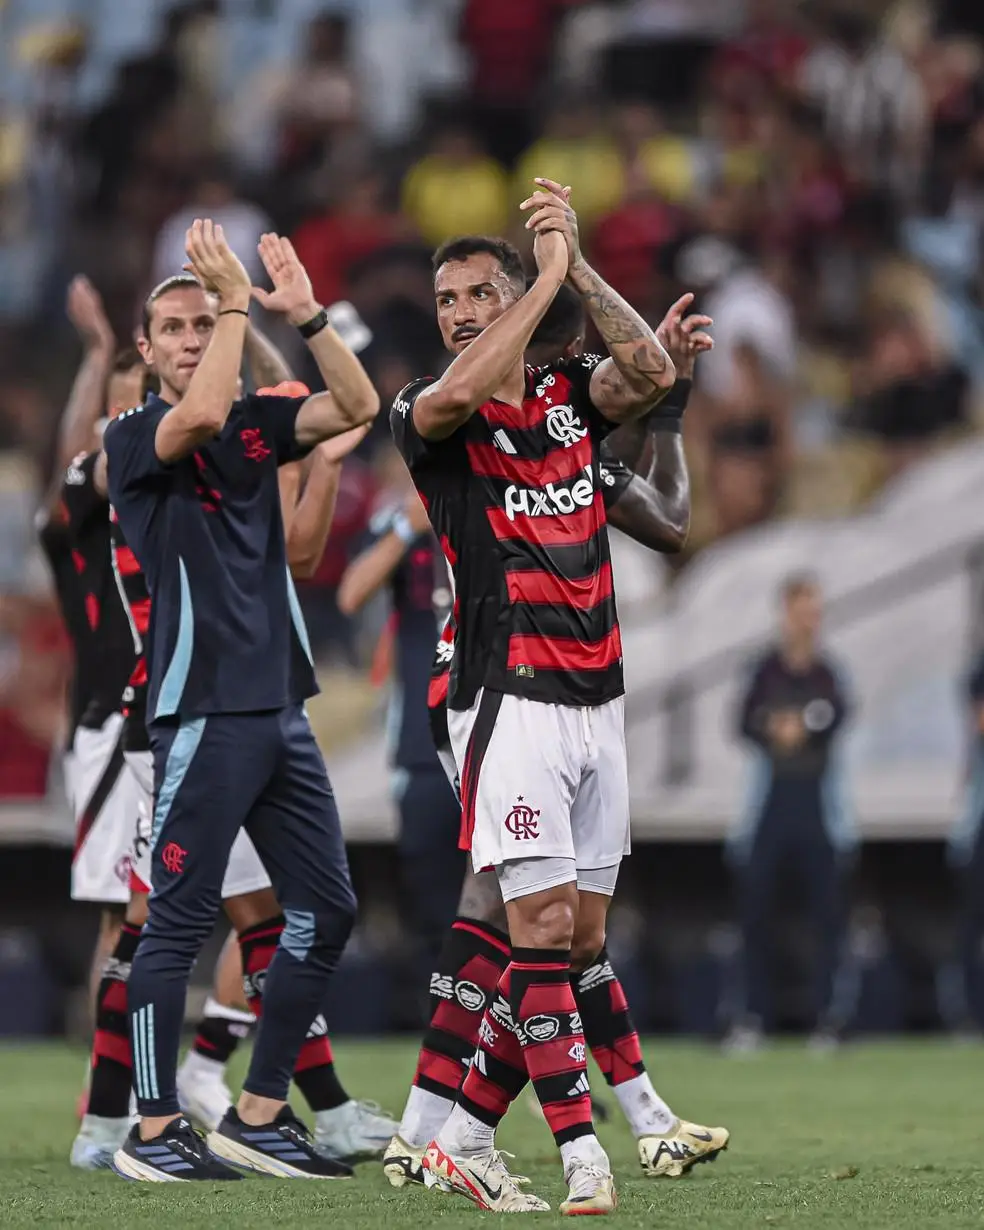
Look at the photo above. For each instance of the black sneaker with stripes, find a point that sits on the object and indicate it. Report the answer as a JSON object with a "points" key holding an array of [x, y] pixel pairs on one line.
{"points": [[283, 1148], [177, 1155]]}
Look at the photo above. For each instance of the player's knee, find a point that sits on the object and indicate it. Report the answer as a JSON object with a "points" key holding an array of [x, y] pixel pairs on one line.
{"points": [[586, 946], [319, 934], [549, 924]]}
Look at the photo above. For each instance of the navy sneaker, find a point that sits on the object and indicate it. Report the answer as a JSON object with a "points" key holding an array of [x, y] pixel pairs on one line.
{"points": [[177, 1155], [283, 1148]]}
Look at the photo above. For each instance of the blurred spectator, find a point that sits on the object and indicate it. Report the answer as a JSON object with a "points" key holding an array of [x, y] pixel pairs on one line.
{"points": [[651, 156], [456, 188], [318, 97], [214, 196], [360, 223], [797, 827]]}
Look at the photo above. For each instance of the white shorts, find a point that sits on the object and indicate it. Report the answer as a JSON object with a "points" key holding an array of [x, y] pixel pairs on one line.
{"points": [[104, 802], [542, 781], [245, 872]]}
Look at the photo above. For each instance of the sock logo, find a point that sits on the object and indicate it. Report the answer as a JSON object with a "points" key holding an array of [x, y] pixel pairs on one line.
{"points": [[319, 1027], [577, 1052], [541, 1028], [595, 975], [486, 1037], [502, 1012], [442, 985], [574, 1023], [470, 996], [580, 1087]]}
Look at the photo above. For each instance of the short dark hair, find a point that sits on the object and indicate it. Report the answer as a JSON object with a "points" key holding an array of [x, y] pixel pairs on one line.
{"points": [[797, 584], [563, 323], [474, 245], [177, 281]]}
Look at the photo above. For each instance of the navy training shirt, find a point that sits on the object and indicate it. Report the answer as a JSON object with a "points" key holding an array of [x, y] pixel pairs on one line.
{"points": [[413, 586], [226, 631]]}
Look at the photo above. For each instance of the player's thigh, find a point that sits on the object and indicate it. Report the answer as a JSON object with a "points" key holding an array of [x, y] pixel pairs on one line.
{"points": [[600, 813], [520, 770], [296, 829], [208, 773], [104, 801]]}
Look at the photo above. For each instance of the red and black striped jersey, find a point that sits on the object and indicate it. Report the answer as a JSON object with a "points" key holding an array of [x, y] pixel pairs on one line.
{"points": [[516, 497], [135, 597], [75, 538]]}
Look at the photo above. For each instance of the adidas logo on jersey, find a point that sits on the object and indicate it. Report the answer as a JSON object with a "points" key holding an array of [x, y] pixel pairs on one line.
{"points": [[551, 500]]}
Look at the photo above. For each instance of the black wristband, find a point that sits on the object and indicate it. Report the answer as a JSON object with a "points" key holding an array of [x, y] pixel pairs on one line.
{"points": [[234, 312], [314, 325], [675, 402], [666, 422]]}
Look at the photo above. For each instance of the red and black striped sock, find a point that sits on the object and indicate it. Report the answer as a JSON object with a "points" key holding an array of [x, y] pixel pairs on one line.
{"points": [[314, 1072], [549, 1028], [497, 1073], [471, 962], [112, 1064], [220, 1031], [608, 1027]]}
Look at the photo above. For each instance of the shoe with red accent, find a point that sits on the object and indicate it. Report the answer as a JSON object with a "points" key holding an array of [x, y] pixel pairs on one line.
{"points": [[483, 1179]]}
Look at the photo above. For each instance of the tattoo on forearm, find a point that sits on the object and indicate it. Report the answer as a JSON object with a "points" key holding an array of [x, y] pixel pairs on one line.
{"points": [[620, 326]]}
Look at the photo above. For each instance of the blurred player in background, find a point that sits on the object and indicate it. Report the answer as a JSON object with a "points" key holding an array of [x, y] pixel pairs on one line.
{"points": [[653, 507], [797, 826], [506, 460], [403, 555], [193, 480]]}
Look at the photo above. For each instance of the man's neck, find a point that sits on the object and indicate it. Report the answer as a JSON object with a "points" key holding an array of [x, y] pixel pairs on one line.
{"points": [[799, 655]]}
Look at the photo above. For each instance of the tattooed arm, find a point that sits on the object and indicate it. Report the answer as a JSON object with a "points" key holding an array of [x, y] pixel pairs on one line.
{"points": [[639, 372]]}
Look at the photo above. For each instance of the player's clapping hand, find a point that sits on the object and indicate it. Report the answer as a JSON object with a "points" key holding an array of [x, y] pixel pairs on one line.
{"points": [[292, 294], [334, 451], [86, 312], [683, 337], [215, 264], [552, 211]]}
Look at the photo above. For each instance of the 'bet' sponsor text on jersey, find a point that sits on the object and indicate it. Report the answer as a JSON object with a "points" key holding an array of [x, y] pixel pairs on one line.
{"points": [[555, 499]]}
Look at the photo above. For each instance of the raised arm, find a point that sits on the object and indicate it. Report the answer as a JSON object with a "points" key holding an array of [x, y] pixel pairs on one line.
{"points": [[639, 372], [267, 366], [202, 412], [495, 353], [370, 570], [351, 400], [307, 523], [87, 400]]}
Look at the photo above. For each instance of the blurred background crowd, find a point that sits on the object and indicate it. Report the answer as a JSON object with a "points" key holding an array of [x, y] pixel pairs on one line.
{"points": [[813, 171]]}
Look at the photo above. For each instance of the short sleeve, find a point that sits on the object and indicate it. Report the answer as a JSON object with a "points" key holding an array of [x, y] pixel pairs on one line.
{"points": [[80, 498], [615, 477], [414, 449], [578, 372], [277, 419], [131, 450]]}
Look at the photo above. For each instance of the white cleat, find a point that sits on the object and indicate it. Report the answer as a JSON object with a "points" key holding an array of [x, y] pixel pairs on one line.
{"points": [[353, 1132], [484, 1180], [202, 1090], [591, 1191], [402, 1163], [673, 1153], [98, 1139]]}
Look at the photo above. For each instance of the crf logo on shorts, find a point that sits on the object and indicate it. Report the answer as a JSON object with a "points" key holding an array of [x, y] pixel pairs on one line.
{"points": [[521, 822], [551, 500], [564, 426], [173, 857]]}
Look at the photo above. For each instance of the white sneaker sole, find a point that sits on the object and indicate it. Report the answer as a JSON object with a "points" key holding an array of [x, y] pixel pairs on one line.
{"points": [[128, 1167], [236, 1154]]}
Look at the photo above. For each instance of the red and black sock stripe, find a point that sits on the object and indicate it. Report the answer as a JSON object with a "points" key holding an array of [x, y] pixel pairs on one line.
{"points": [[217, 1037], [497, 1072], [549, 1027], [112, 1063], [314, 1072], [471, 962], [607, 1022]]}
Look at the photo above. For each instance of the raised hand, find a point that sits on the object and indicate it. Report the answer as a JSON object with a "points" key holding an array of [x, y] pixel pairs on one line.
{"points": [[683, 337], [335, 450], [85, 310], [215, 264], [552, 211], [550, 253], [292, 294]]}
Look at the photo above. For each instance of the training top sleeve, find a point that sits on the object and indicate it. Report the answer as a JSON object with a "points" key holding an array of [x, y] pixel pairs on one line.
{"points": [[277, 419], [615, 477], [131, 450]]}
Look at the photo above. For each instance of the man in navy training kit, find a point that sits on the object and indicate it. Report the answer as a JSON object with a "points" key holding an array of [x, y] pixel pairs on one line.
{"points": [[193, 480]]}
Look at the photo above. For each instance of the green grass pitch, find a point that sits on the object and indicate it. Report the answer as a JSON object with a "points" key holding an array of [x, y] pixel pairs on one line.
{"points": [[882, 1135]]}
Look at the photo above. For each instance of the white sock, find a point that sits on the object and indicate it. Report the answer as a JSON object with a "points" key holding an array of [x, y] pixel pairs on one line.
{"points": [[584, 1149], [423, 1117], [214, 1009], [201, 1067], [647, 1113], [465, 1136], [325, 1117]]}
